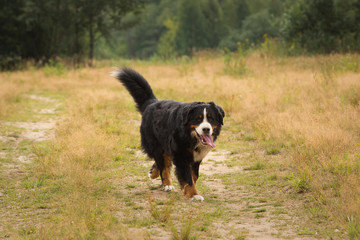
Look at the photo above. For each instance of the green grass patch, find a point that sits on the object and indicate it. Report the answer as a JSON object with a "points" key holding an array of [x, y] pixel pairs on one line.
{"points": [[301, 183], [249, 138], [256, 166], [272, 151], [353, 228], [129, 186], [261, 210], [259, 215]]}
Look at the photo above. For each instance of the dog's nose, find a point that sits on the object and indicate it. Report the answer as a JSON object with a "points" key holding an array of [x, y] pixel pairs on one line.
{"points": [[206, 130]]}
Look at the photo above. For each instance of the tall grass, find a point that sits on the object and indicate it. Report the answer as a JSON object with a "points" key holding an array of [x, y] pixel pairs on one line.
{"points": [[312, 106], [235, 62]]}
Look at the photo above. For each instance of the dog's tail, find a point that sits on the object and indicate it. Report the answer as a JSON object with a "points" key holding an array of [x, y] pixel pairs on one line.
{"points": [[138, 87]]}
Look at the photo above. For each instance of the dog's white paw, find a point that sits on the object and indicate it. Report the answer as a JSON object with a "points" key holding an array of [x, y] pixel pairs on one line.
{"points": [[197, 198], [169, 188]]}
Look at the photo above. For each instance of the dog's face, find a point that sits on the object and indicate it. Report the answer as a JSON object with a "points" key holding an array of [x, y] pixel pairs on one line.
{"points": [[204, 121]]}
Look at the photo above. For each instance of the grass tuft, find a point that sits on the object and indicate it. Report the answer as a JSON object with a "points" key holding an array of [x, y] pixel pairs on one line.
{"points": [[272, 151], [300, 183], [185, 230], [161, 211], [354, 228], [256, 166]]}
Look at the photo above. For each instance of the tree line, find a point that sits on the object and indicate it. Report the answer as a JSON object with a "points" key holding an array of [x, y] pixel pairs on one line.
{"points": [[44, 29], [80, 29], [171, 27]]}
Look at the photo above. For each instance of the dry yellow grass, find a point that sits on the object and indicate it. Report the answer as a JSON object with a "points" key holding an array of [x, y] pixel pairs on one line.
{"points": [[314, 107], [310, 106]]}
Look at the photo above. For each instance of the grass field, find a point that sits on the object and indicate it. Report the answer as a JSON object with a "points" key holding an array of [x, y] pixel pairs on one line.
{"points": [[286, 165]]}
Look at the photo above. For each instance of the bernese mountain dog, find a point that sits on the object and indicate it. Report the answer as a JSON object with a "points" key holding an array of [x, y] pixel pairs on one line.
{"points": [[173, 132]]}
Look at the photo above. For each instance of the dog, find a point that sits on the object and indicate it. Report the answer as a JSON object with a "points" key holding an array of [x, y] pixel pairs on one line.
{"points": [[173, 132]]}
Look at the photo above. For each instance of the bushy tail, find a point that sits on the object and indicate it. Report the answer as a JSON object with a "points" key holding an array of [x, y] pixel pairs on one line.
{"points": [[138, 87]]}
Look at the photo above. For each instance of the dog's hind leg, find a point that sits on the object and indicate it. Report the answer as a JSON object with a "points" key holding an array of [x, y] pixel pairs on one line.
{"points": [[154, 172], [166, 174], [195, 170], [162, 168]]}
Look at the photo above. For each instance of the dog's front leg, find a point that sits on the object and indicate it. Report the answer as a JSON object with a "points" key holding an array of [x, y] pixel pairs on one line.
{"points": [[187, 180]]}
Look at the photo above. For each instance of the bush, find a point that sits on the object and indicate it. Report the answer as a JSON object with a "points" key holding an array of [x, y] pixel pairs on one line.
{"points": [[322, 26], [256, 25], [253, 30], [9, 62], [230, 41]]}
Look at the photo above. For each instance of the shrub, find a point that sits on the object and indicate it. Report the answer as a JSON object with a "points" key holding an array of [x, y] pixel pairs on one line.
{"points": [[322, 26]]}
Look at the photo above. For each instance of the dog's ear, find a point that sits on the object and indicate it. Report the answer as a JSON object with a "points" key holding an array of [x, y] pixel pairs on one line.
{"points": [[188, 110], [220, 112]]}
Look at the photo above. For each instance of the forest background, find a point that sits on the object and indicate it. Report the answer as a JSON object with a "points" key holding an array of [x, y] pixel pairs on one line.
{"points": [[80, 30]]}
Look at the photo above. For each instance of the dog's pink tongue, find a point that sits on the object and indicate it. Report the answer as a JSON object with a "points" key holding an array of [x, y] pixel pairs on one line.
{"points": [[209, 140]]}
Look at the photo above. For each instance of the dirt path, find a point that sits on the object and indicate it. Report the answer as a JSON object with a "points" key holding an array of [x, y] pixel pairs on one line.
{"points": [[251, 211], [16, 140]]}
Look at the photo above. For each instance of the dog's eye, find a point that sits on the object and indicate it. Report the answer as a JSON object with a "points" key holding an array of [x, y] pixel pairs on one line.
{"points": [[209, 117]]}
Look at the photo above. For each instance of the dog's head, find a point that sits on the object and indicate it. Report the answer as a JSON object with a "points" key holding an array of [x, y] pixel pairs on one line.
{"points": [[204, 120]]}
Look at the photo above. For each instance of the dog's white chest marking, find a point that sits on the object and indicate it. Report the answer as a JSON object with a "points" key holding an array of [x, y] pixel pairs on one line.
{"points": [[200, 152]]}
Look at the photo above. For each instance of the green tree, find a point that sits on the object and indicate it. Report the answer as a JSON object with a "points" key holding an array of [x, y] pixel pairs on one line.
{"points": [[235, 11], [252, 31], [46, 22], [39, 29], [143, 39], [275, 7], [44, 29], [322, 26], [166, 47], [256, 25], [11, 32], [102, 15], [214, 22], [192, 28]]}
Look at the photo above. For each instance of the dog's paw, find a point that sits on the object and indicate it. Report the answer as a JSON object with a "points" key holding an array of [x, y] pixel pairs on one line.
{"points": [[169, 188], [197, 198]]}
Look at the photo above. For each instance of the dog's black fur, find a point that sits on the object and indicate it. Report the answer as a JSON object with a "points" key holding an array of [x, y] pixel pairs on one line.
{"points": [[168, 127]]}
